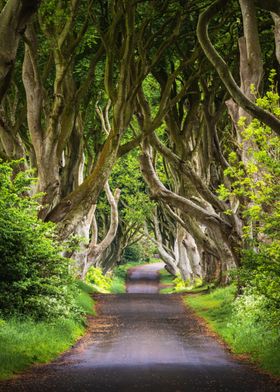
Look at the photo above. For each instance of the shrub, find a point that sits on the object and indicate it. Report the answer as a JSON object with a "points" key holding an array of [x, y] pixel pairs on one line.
{"points": [[256, 184], [132, 253], [34, 277], [96, 278]]}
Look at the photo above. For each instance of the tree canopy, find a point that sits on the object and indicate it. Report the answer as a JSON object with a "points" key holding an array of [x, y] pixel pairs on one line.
{"points": [[149, 122]]}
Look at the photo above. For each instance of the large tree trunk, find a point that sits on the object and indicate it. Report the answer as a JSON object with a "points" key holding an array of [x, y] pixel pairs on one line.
{"points": [[222, 68], [83, 231], [10, 141], [251, 70], [193, 255], [13, 19], [220, 229], [182, 257], [44, 139], [95, 249], [276, 19], [76, 205], [72, 166]]}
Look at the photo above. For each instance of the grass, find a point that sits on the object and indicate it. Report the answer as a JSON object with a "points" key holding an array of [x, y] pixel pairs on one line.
{"points": [[119, 276], [176, 285], [243, 334], [115, 281], [166, 279], [84, 299], [25, 342]]}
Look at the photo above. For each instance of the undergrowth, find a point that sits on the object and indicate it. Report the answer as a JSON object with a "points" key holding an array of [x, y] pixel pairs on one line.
{"points": [[175, 284], [243, 323], [113, 282], [25, 341], [118, 285]]}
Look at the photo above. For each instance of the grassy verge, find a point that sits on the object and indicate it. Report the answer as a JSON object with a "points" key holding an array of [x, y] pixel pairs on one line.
{"points": [[243, 334], [166, 279], [115, 281], [25, 342], [176, 285], [118, 285]]}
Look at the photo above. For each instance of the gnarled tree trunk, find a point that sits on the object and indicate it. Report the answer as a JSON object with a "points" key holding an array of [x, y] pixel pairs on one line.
{"points": [[13, 19], [95, 249]]}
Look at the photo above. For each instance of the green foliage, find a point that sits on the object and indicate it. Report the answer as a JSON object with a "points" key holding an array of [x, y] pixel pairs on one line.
{"points": [[256, 184], [118, 284], [34, 277], [113, 283], [250, 323], [83, 297], [151, 90], [98, 280], [216, 307], [119, 277], [26, 341], [132, 253], [243, 323], [135, 203], [175, 284]]}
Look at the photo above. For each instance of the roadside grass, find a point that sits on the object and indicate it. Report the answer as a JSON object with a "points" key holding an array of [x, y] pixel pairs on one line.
{"points": [[24, 342], [166, 279], [258, 339], [176, 285], [119, 276], [84, 299], [115, 281]]}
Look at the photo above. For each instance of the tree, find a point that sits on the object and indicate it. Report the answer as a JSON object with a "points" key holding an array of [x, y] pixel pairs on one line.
{"points": [[97, 82], [14, 17]]}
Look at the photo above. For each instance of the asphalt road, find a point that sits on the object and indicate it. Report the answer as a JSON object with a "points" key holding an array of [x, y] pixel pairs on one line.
{"points": [[142, 342]]}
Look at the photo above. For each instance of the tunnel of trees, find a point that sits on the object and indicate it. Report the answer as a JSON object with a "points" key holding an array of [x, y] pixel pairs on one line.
{"points": [[132, 123]]}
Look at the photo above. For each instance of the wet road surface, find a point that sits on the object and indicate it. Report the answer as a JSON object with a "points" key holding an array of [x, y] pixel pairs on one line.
{"points": [[143, 342]]}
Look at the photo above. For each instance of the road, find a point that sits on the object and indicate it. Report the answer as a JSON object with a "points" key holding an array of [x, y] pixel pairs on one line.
{"points": [[142, 342]]}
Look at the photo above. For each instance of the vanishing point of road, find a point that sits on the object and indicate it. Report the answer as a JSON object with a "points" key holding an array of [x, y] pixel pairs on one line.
{"points": [[143, 341]]}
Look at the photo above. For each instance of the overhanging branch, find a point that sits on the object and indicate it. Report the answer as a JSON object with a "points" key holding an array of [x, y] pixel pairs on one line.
{"points": [[224, 72]]}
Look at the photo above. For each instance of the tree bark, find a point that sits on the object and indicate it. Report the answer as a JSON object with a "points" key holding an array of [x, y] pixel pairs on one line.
{"points": [[158, 190], [221, 230], [44, 141], [13, 19], [193, 255], [276, 19], [11, 141], [182, 256], [95, 249], [165, 254], [224, 72], [251, 70]]}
